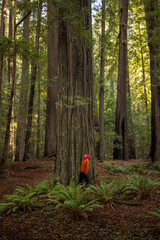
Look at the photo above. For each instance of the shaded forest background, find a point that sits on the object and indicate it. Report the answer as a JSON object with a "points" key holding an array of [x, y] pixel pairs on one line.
{"points": [[34, 82]]}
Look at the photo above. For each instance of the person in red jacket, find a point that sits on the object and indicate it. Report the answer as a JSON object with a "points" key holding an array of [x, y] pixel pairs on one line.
{"points": [[84, 170]]}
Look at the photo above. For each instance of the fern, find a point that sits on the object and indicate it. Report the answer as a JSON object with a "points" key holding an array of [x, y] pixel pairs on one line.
{"points": [[26, 198], [104, 192], [7, 207], [142, 185], [157, 213], [74, 198], [119, 187], [116, 169], [42, 188], [147, 169], [22, 200]]}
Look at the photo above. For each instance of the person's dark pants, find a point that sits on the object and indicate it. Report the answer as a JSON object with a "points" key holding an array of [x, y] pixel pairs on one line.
{"points": [[83, 177]]}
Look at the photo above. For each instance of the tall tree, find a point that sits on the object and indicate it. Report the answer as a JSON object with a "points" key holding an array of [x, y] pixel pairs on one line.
{"points": [[152, 11], [50, 133], [121, 148], [143, 74], [131, 136], [101, 97], [138, 57], [75, 91], [20, 140], [11, 78], [32, 88], [39, 118], [2, 34]]}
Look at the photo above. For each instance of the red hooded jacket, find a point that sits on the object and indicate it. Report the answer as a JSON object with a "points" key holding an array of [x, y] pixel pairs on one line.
{"points": [[85, 164]]}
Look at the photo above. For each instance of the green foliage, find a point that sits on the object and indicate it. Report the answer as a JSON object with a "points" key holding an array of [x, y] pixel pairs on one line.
{"points": [[111, 66], [119, 185], [156, 213], [27, 198], [141, 185], [115, 169], [141, 168], [139, 79], [23, 200], [6, 46], [109, 117], [44, 187], [104, 192], [145, 168], [74, 198]]}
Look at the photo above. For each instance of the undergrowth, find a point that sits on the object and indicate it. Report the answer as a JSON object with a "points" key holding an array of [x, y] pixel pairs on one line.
{"points": [[74, 198], [78, 200], [141, 168]]}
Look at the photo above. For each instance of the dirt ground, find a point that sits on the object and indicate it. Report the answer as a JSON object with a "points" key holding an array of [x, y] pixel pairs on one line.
{"points": [[119, 222], [22, 173]]}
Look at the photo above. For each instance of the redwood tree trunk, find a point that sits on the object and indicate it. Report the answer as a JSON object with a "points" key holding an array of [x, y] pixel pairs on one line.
{"points": [[152, 10], [32, 89], [39, 117], [101, 97], [20, 140], [50, 134], [11, 75], [120, 147], [131, 136], [75, 105], [2, 34]]}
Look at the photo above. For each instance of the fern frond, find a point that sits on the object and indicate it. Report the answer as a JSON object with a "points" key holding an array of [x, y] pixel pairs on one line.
{"points": [[157, 213], [6, 206], [104, 192]]}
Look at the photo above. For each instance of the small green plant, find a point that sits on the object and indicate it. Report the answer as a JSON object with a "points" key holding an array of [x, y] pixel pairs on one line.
{"points": [[119, 186], [156, 213], [104, 192], [141, 185], [44, 187], [23, 200], [116, 169], [145, 168], [76, 199]]}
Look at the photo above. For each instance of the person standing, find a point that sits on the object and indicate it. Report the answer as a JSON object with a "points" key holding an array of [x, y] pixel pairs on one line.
{"points": [[84, 170]]}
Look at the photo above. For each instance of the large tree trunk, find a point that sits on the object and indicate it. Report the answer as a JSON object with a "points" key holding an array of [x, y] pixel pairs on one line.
{"points": [[20, 140], [131, 136], [10, 80], [2, 34], [50, 134], [32, 89], [101, 97], [75, 105], [39, 117], [152, 10], [11, 75], [121, 148]]}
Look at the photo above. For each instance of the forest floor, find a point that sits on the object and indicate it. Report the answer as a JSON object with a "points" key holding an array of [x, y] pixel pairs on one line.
{"points": [[119, 222]]}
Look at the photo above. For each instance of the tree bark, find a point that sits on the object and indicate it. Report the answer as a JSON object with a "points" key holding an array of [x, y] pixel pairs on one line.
{"points": [[39, 117], [20, 140], [11, 75], [101, 98], [75, 105], [121, 149], [50, 133], [2, 34], [131, 136], [152, 11], [32, 89]]}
